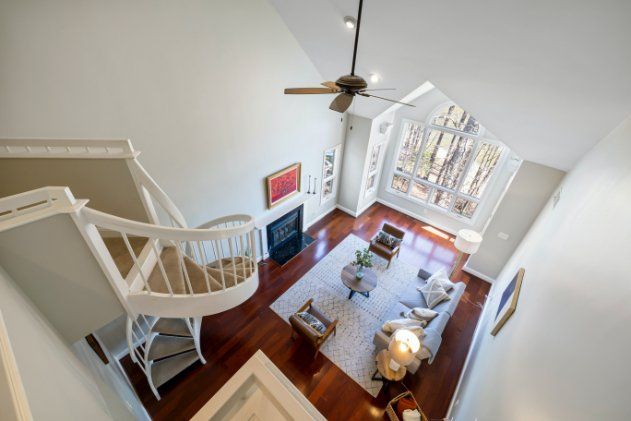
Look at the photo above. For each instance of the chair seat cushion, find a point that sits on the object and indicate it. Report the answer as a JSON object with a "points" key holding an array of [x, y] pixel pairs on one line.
{"points": [[312, 321]]}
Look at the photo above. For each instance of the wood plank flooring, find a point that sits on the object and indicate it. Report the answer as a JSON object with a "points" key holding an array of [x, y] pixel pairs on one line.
{"points": [[229, 339]]}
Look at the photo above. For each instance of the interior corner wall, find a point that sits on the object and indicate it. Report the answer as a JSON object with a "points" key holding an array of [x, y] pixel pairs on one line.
{"points": [[524, 199], [564, 352], [354, 159], [197, 86]]}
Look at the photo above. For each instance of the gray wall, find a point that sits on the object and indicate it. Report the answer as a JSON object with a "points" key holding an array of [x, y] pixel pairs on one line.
{"points": [[527, 194], [355, 149], [563, 354], [107, 183], [50, 261], [57, 386], [197, 87]]}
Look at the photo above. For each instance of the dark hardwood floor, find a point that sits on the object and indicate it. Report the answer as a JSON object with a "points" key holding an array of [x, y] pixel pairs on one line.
{"points": [[229, 339]]}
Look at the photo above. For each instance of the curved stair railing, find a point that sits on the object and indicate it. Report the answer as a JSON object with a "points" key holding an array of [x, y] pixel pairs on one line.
{"points": [[166, 278]]}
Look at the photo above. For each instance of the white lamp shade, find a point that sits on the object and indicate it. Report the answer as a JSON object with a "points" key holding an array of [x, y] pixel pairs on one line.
{"points": [[403, 346], [468, 241]]}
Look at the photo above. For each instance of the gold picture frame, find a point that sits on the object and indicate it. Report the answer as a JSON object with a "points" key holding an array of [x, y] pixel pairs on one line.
{"points": [[508, 301], [283, 184]]}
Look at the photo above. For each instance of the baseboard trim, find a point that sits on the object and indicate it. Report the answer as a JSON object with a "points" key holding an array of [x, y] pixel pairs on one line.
{"points": [[365, 208], [317, 218], [415, 216], [477, 274], [345, 210]]}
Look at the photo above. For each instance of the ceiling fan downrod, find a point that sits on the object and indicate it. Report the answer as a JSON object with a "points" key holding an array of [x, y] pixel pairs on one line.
{"points": [[359, 21]]}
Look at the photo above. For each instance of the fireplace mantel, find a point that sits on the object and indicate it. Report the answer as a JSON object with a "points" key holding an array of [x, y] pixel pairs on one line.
{"points": [[273, 214]]}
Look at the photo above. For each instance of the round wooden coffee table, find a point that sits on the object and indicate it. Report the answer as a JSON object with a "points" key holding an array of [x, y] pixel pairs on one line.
{"points": [[363, 285]]}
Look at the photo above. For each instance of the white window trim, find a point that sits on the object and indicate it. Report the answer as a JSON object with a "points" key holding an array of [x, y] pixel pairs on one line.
{"points": [[375, 172], [407, 195], [336, 170]]}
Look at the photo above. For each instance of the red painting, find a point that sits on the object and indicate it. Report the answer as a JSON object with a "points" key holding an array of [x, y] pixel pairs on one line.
{"points": [[283, 184]]}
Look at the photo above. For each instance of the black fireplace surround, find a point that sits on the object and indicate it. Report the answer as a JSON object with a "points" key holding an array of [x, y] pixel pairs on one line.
{"points": [[285, 238]]}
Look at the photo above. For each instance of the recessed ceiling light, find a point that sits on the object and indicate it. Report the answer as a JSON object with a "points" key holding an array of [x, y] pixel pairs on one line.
{"points": [[375, 77], [350, 22]]}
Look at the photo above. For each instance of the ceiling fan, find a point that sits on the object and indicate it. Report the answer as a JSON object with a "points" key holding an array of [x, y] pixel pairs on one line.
{"points": [[346, 86]]}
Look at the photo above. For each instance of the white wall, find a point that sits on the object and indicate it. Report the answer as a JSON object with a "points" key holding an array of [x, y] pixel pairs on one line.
{"points": [[424, 106], [527, 194], [197, 85], [56, 384], [355, 147], [565, 352]]}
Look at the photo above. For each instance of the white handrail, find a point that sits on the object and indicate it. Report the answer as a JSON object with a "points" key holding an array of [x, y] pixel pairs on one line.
{"points": [[142, 229]]}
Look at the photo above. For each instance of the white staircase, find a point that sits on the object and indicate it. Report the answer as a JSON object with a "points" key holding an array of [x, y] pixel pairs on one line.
{"points": [[167, 276]]}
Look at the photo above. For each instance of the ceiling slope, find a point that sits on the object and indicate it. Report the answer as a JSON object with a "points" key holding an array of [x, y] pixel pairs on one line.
{"points": [[549, 78]]}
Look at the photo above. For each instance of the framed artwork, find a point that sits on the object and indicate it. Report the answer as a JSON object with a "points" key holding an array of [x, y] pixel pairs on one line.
{"points": [[282, 185], [508, 301]]}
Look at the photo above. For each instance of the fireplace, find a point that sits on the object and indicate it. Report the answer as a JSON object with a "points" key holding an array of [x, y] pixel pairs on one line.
{"points": [[285, 238]]}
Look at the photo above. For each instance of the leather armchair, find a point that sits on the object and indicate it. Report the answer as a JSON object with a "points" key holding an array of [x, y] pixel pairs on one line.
{"points": [[383, 250], [301, 328]]}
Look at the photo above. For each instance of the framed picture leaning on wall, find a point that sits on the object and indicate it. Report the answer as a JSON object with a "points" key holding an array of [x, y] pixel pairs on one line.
{"points": [[508, 301], [283, 184]]}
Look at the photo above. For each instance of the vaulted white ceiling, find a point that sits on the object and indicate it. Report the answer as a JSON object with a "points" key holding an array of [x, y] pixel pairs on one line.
{"points": [[548, 77]]}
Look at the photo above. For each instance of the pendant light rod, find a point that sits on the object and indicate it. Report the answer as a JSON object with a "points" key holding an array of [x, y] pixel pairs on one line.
{"points": [[359, 21]]}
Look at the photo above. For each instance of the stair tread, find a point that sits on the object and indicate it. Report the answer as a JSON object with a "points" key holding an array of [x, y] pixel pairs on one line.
{"points": [[171, 263], [174, 327], [164, 370], [166, 346]]}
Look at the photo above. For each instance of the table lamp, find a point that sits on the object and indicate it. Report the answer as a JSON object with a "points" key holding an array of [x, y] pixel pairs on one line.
{"points": [[403, 347], [467, 242]]}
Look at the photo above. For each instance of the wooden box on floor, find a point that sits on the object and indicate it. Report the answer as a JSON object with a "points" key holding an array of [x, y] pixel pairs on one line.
{"points": [[392, 413]]}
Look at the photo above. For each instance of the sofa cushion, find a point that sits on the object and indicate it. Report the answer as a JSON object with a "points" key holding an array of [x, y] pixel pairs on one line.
{"points": [[442, 278], [434, 293]]}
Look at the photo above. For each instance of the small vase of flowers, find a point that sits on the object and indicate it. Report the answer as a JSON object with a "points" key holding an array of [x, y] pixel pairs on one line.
{"points": [[363, 259]]}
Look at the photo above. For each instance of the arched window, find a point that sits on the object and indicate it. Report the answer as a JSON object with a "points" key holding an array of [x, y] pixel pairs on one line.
{"points": [[446, 164]]}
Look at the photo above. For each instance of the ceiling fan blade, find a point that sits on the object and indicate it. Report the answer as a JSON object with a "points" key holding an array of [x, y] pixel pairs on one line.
{"points": [[310, 91], [331, 85], [385, 99], [341, 102], [378, 89]]}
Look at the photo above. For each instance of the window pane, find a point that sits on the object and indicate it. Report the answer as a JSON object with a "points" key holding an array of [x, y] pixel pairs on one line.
{"points": [[456, 118], [481, 169], [444, 158], [370, 183], [441, 198], [400, 183], [412, 138], [419, 191], [374, 158], [329, 163], [327, 188], [464, 207]]}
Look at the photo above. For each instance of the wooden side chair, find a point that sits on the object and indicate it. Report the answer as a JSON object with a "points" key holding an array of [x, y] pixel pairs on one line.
{"points": [[302, 328], [386, 251]]}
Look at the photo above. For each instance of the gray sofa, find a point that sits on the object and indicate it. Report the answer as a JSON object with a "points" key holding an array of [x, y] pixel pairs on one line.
{"points": [[433, 338]]}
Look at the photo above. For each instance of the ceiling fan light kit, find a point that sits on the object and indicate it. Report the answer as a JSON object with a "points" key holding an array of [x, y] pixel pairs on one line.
{"points": [[347, 86]]}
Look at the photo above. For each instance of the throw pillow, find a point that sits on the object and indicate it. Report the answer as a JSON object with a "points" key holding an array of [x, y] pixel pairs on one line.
{"points": [[410, 315], [312, 321], [420, 313], [403, 404], [442, 277], [434, 293], [412, 325], [387, 239]]}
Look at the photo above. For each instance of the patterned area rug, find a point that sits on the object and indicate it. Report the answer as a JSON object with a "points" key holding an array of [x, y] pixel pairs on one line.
{"points": [[352, 349]]}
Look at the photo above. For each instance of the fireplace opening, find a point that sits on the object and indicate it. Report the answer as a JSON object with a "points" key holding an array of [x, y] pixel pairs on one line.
{"points": [[285, 238]]}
